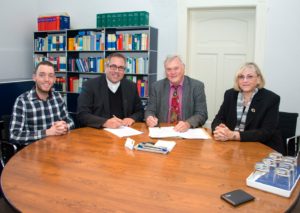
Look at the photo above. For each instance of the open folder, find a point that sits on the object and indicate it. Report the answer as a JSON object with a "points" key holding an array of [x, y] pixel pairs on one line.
{"points": [[166, 132]]}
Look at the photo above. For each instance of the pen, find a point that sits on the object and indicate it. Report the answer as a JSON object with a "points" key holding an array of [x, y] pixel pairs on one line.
{"points": [[158, 124], [160, 148], [117, 118]]}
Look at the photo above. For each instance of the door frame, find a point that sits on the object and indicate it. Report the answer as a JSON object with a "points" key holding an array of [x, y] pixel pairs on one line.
{"points": [[183, 7]]}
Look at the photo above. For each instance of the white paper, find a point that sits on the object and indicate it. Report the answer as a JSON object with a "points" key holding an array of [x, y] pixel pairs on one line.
{"points": [[168, 144], [129, 143], [123, 131], [166, 132]]}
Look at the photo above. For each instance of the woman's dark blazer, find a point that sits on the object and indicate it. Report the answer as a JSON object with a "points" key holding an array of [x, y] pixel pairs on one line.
{"points": [[262, 118]]}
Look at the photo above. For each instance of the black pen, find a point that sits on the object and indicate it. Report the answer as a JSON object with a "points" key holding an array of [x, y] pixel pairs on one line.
{"points": [[158, 124]]}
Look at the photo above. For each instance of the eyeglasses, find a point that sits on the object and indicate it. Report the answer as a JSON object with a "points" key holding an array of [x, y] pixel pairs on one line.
{"points": [[114, 68], [247, 77]]}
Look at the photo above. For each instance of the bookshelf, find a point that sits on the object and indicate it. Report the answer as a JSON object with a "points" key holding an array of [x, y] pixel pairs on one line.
{"points": [[80, 54]]}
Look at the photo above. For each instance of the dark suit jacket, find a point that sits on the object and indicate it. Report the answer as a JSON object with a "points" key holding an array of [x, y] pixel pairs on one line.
{"points": [[93, 102], [194, 108], [262, 118]]}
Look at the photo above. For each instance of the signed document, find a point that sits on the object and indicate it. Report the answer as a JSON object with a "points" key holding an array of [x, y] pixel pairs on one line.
{"points": [[123, 131], [166, 132]]}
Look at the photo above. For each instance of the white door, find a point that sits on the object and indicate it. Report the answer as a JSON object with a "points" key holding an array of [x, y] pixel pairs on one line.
{"points": [[219, 42]]}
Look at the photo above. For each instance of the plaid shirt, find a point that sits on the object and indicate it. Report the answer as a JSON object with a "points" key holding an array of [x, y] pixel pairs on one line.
{"points": [[32, 116]]}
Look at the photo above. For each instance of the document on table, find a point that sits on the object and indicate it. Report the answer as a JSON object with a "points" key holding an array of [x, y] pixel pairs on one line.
{"points": [[166, 132], [169, 145], [123, 131]]}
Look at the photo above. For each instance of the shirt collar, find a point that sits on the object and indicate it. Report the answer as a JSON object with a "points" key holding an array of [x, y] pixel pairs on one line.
{"points": [[34, 96], [112, 86], [179, 85]]}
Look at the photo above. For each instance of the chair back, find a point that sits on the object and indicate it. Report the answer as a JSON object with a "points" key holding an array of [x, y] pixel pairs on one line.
{"points": [[7, 149], [74, 118], [288, 125]]}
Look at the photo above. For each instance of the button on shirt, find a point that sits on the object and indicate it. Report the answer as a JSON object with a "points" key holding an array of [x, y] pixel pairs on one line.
{"points": [[32, 116]]}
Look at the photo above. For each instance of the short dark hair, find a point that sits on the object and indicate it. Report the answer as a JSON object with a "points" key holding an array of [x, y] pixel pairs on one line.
{"points": [[47, 63], [118, 55]]}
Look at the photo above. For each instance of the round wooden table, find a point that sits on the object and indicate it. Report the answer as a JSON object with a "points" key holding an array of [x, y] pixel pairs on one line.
{"points": [[90, 170]]}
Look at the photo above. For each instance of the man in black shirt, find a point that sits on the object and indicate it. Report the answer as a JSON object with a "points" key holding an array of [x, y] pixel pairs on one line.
{"points": [[110, 100]]}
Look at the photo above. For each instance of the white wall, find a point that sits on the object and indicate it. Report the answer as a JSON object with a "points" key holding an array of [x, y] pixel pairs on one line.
{"points": [[17, 41], [16, 45], [282, 56]]}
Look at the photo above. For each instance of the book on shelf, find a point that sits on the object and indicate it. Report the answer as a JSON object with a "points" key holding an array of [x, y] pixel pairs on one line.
{"points": [[87, 41], [52, 42], [137, 65], [73, 84], [60, 84], [59, 62]]}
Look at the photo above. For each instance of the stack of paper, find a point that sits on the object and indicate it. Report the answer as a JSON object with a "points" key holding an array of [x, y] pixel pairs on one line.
{"points": [[166, 132], [123, 131]]}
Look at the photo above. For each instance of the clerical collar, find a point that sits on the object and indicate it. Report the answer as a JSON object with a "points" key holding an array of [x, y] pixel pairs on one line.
{"points": [[113, 86]]}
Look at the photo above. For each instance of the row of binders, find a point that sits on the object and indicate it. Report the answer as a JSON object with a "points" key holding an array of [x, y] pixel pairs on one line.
{"points": [[93, 64], [96, 64], [59, 62], [75, 84], [127, 41], [87, 41], [141, 84], [50, 43], [93, 41]]}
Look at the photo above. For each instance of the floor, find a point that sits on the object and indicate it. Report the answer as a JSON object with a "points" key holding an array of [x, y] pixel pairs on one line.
{"points": [[5, 208]]}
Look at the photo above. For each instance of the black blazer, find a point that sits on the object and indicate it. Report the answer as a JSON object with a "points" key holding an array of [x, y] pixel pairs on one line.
{"points": [[93, 102], [262, 118]]}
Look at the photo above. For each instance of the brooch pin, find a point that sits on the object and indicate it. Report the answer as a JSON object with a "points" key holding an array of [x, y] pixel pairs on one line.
{"points": [[252, 110]]}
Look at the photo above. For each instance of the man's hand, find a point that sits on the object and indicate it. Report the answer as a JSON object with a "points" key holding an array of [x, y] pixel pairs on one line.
{"points": [[182, 126], [57, 128], [151, 121], [113, 123], [128, 121]]}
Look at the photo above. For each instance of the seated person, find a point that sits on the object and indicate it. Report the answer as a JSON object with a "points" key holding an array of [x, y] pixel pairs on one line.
{"points": [[249, 112], [177, 99], [110, 100], [41, 111]]}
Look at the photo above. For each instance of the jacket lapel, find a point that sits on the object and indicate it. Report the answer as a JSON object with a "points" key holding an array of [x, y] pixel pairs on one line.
{"points": [[254, 105], [104, 91], [165, 100], [124, 98], [186, 98]]}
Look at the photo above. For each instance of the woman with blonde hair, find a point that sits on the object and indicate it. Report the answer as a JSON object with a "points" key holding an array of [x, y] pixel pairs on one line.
{"points": [[249, 112]]}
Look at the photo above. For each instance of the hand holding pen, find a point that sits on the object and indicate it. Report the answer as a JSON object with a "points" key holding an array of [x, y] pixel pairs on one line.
{"points": [[152, 121], [113, 122]]}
